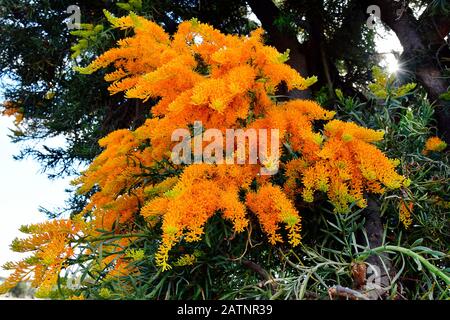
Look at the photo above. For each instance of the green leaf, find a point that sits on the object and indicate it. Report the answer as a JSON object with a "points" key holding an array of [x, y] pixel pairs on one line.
{"points": [[339, 94], [445, 96], [419, 265], [125, 6], [434, 253], [207, 240], [417, 242], [282, 58]]}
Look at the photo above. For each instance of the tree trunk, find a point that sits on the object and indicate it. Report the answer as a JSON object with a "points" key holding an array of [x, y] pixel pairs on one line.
{"points": [[380, 265], [431, 78]]}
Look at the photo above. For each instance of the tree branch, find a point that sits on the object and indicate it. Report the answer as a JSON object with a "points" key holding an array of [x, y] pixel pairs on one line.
{"points": [[345, 293], [437, 25]]}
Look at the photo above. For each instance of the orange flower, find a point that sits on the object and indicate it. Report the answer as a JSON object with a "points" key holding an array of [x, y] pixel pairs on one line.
{"points": [[272, 207], [434, 144], [405, 210], [12, 109], [50, 243]]}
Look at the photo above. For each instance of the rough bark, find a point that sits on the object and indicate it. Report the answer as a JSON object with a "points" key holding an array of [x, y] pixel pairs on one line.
{"points": [[374, 230]]}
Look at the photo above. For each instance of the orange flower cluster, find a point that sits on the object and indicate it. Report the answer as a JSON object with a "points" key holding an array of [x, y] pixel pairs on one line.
{"points": [[51, 244], [11, 109], [346, 166], [201, 191], [434, 144], [404, 213], [272, 207], [226, 82], [199, 75]]}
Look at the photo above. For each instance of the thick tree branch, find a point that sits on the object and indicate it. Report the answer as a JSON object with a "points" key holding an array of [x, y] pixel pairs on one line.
{"points": [[437, 25], [411, 31], [405, 26]]}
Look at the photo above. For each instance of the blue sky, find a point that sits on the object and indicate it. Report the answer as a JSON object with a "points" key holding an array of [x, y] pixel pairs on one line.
{"points": [[22, 190]]}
